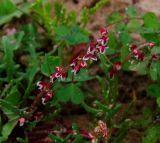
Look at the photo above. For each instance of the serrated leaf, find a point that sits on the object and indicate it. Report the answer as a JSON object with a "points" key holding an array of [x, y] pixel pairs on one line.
{"points": [[49, 64], [151, 21], [70, 93]]}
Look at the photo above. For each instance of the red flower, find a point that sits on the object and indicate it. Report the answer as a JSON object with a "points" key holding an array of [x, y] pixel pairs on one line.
{"points": [[38, 116], [102, 49], [74, 62], [59, 72], [111, 72], [137, 53], [103, 40], [82, 64], [76, 69], [103, 31], [47, 97], [53, 77], [151, 44], [21, 121], [91, 48], [43, 85], [154, 57], [139, 56], [117, 66], [89, 56], [114, 69]]}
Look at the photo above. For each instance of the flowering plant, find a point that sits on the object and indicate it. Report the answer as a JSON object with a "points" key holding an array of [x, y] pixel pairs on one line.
{"points": [[45, 77]]}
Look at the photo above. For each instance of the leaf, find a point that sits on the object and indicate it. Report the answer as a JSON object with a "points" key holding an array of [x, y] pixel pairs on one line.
{"points": [[49, 64], [70, 92], [133, 25], [151, 21], [131, 11], [112, 43], [125, 38], [8, 127], [8, 62], [154, 90], [9, 109], [155, 50], [114, 17], [140, 67], [13, 96], [16, 13], [158, 101], [55, 139], [124, 53], [152, 134], [72, 35], [154, 70]]}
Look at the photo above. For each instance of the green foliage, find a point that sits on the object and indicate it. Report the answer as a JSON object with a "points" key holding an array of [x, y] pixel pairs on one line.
{"points": [[70, 92], [114, 18], [49, 64], [152, 135], [151, 21], [8, 10], [71, 36]]}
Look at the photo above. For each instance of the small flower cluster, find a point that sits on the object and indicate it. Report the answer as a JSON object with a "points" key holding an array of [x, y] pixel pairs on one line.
{"points": [[114, 69], [136, 52], [102, 129], [98, 47], [139, 55]]}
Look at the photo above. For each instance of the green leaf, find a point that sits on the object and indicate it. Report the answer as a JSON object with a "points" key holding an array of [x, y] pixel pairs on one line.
{"points": [[114, 17], [155, 50], [158, 101], [8, 62], [70, 92], [55, 139], [131, 11], [49, 64], [8, 127], [124, 53], [133, 25], [125, 38], [13, 96], [154, 70], [112, 40], [9, 109], [24, 8], [151, 21], [154, 90], [152, 134], [72, 35], [140, 67]]}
